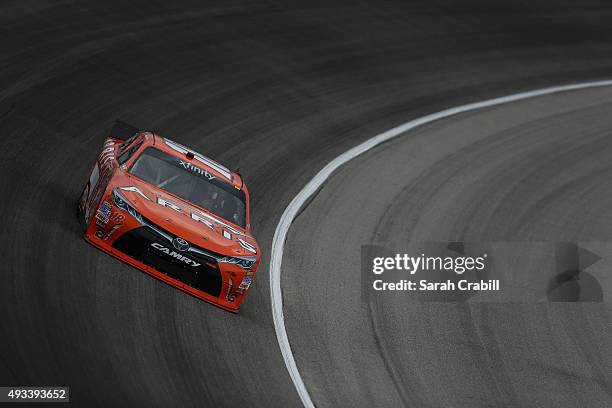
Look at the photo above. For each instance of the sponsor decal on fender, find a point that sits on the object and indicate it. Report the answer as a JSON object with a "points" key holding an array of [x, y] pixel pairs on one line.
{"points": [[103, 214], [104, 236], [117, 218], [104, 165], [246, 282]]}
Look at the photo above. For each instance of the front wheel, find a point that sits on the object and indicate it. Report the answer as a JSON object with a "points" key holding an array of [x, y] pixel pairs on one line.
{"points": [[80, 207]]}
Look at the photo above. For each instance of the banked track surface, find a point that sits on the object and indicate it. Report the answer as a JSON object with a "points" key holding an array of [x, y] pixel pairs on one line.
{"points": [[277, 90], [527, 172]]}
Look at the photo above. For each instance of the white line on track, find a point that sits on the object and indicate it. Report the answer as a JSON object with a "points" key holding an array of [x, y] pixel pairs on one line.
{"points": [[280, 235]]}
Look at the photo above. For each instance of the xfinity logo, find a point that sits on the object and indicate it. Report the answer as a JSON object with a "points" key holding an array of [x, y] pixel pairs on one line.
{"points": [[195, 169], [174, 254]]}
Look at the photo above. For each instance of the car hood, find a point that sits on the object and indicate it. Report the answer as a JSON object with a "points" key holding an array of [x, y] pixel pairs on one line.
{"points": [[187, 221]]}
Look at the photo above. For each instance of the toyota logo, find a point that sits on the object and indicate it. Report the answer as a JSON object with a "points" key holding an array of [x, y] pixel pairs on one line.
{"points": [[180, 244]]}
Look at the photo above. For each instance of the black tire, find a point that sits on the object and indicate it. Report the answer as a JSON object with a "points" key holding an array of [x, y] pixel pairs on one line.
{"points": [[80, 206]]}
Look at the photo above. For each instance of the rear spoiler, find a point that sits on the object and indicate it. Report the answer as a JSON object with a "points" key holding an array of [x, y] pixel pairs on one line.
{"points": [[122, 130]]}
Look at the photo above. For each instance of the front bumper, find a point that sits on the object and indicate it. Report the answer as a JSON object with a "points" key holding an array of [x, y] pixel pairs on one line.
{"points": [[219, 301], [148, 247]]}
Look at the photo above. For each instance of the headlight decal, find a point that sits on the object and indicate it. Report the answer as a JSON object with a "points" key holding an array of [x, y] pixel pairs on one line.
{"points": [[123, 204], [245, 262]]}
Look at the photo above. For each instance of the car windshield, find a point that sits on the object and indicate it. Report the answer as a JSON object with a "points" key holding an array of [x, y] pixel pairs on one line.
{"points": [[192, 183]]}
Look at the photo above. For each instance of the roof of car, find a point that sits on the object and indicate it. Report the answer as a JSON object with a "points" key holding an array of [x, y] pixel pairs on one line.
{"points": [[179, 150]]}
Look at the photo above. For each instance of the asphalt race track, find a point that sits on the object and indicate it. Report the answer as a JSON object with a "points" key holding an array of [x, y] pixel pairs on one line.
{"points": [[278, 90], [536, 170]]}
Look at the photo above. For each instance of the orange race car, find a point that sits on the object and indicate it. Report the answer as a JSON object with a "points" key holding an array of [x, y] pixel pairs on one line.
{"points": [[172, 213]]}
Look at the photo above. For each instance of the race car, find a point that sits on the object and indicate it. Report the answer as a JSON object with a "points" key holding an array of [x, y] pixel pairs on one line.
{"points": [[172, 213]]}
